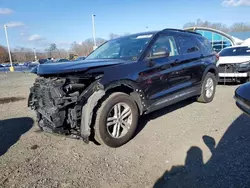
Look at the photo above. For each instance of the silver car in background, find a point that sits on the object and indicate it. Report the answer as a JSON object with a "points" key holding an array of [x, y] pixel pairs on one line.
{"points": [[234, 64]]}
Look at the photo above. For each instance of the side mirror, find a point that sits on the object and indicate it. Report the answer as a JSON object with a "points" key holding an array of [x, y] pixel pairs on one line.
{"points": [[160, 52]]}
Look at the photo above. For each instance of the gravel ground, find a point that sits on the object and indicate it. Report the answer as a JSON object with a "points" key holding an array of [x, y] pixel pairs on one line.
{"points": [[186, 145]]}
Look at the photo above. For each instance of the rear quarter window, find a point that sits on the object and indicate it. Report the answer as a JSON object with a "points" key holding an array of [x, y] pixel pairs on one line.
{"points": [[205, 44], [187, 44]]}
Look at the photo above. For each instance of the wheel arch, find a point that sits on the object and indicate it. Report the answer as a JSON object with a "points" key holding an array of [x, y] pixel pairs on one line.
{"points": [[129, 87], [98, 96], [212, 69]]}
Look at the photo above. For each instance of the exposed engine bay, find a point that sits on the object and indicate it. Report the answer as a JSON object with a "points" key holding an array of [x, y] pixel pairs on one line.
{"points": [[59, 101]]}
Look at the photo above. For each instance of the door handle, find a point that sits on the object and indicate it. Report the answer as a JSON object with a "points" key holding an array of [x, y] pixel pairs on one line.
{"points": [[175, 62]]}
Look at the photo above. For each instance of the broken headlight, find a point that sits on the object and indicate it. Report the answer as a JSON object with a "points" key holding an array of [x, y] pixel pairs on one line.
{"points": [[244, 66]]}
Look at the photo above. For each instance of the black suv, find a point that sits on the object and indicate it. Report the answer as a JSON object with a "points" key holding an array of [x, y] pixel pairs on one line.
{"points": [[103, 95]]}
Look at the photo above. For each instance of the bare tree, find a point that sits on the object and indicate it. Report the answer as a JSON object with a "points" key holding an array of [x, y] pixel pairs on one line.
{"points": [[21, 54], [113, 36], [76, 48], [206, 23], [236, 27], [51, 49], [3, 55], [85, 47], [240, 27]]}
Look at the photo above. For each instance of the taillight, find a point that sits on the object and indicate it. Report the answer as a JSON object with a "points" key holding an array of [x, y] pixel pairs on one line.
{"points": [[217, 56]]}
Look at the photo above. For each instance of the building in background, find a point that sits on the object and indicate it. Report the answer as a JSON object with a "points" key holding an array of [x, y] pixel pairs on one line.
{"points": [[218, 39]]}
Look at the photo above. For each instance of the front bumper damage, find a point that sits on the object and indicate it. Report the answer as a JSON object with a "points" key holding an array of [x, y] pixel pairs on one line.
{"points": [[232, 73], [65, 106]]}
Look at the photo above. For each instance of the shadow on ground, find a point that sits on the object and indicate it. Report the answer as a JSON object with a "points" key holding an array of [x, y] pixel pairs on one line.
{"points": [[229, 165], [10, 99], [11, 130], [143, 120]]}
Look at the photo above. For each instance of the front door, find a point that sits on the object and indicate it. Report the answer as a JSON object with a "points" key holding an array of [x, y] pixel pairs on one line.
{"points": [[161, 70]]}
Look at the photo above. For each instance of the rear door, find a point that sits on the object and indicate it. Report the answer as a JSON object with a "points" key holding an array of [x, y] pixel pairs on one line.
{"points": [[191, 59]]}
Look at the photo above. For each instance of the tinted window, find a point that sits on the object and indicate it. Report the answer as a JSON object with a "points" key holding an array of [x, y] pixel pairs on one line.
{"points": [[237, 51], [187, 44], [164, 42], [41, 61], [207, 47]]}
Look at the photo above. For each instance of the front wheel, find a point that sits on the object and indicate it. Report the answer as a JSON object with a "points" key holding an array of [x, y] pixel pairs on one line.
{"points": [[116, 120], [208, 88]]}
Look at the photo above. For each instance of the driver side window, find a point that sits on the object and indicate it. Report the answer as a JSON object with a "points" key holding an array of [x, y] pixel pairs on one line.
{"points": [[165, 44]]}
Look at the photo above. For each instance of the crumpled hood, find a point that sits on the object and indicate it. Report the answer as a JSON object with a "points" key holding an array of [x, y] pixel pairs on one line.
{"points": [[73, 66]]}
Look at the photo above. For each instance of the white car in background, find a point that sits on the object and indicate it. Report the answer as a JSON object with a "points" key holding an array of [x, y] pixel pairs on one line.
{"points": [[234, 64]]}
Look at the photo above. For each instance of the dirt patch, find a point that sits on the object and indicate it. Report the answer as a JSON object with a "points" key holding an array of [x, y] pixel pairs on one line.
{"points": [[184, 145], [10, 99]]}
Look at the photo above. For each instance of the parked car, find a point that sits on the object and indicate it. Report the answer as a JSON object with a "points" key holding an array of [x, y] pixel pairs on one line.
{"points": [[33, 64], [27, 63], [242, 97], [42, 61], [80, 58], [15, 64], [104, 95], [234, 64], [60, 60]]}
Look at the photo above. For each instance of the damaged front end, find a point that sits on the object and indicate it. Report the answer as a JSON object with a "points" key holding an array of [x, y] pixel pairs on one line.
{"points": [[65, 104]]}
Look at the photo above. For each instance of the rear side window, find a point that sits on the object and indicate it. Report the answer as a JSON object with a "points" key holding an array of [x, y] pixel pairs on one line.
{"points": [[187, 44], [206, 45], [237, 51]]}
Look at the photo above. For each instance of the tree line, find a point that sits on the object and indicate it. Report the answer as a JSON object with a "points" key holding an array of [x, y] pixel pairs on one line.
{"points": [[22, 54], [235, 27]]}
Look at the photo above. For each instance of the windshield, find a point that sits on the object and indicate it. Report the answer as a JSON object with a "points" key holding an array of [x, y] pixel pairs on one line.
{"points": [[237, 51], [129, 48]]}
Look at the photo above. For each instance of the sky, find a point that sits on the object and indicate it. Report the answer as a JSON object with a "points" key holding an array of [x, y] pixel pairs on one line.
{"points": [[38, 23]]}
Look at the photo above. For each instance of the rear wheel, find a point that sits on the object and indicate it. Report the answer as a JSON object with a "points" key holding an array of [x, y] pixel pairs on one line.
{"points": [[116, 120], [208, 88]]}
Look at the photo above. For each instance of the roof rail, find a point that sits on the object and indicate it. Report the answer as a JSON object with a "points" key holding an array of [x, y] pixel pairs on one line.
{"points": [[181, 30]]}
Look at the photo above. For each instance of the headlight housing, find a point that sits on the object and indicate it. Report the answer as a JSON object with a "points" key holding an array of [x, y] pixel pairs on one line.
{"points": [[245, 66]]}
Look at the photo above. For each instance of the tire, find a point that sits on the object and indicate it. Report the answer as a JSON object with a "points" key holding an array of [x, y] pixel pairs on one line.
{"points": [[102, 132], [204, 97]]}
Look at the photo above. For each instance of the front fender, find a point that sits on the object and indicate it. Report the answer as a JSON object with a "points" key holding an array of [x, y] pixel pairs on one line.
{"points": [[136, 92]]}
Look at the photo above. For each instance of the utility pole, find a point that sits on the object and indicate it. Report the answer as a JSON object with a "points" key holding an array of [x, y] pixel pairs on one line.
{"points": [[35, 54], [8, 46], [93, 25]]}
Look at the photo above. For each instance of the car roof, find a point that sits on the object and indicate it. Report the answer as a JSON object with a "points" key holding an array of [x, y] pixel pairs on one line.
{"points": [[136, 34], [236, 46], [158, 31]]}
